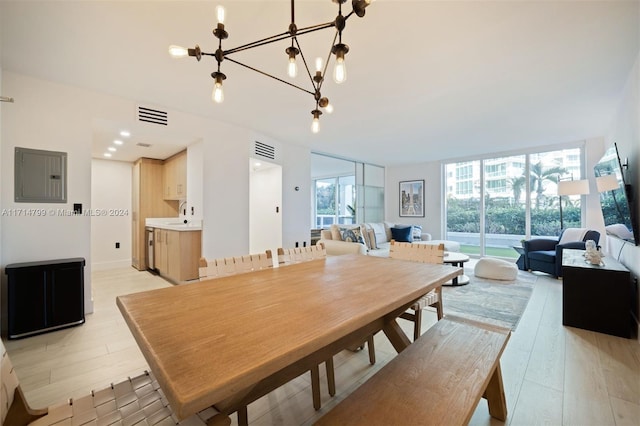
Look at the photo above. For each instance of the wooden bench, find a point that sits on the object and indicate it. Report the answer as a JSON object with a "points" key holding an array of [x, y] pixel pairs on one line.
{"points": [[439, 379]]}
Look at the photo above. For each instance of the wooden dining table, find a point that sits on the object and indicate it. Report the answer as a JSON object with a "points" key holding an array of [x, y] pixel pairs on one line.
{"points": [[228, 341]]}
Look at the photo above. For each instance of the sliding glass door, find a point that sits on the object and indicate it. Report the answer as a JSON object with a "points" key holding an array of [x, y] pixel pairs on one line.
{"points": [[492, 204]]}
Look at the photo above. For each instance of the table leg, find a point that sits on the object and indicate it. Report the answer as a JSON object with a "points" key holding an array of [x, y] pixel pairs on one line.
{"points": [[396, 336]]}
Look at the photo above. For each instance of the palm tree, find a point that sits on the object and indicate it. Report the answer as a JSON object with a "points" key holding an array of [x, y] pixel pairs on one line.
{"points": [[517, 187], [539, 175]]}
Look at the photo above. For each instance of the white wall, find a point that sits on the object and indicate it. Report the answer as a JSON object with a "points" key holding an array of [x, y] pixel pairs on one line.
{"points": [[296, 204], [194, 181], [625, 132], [59, 117], [432, 222], [49, 117], [110, 194], [265, 223]]}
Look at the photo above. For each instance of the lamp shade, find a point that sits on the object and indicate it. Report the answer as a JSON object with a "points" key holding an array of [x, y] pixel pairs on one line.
{"points": [[573, 187], [607, 183]]}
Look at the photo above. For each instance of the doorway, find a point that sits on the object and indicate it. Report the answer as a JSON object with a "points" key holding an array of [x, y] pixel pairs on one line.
{"points": [[265, 206]]}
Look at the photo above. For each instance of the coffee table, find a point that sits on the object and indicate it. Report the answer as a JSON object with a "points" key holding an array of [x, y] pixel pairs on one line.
{"points": [[456, 259]]}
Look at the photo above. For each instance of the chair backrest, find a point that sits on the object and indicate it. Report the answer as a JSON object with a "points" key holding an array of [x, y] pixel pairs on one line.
{"points": [[424, 253], [301, 254], [8, 385], [225, 266]]}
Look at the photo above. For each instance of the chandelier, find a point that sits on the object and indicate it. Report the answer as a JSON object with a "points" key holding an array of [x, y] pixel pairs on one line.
{"points": [[338, 48]]}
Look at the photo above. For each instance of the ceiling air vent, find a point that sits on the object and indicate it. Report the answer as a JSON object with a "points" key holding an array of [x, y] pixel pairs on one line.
{"points": [[263, 150], [154, 116], [143, 145]]}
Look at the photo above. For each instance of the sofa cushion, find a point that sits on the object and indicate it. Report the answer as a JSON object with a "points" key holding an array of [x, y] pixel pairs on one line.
{"points": [[403, 234], [543, 256], [387, 229]]}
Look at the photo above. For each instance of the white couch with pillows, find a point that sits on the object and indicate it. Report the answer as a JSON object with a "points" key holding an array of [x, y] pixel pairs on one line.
{"points": [[375, 238]]}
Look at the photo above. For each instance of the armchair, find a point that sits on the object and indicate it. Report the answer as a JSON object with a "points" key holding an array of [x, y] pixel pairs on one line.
{"points": [[545, 254]]}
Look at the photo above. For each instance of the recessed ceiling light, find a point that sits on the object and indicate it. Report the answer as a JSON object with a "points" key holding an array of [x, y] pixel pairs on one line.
{"points": [[118, 142], [258, 164], [125, 133], [106, 154], [112, 149]]}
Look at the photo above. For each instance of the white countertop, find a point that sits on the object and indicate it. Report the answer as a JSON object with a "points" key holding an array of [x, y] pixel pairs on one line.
{"points": [[174, 223]]}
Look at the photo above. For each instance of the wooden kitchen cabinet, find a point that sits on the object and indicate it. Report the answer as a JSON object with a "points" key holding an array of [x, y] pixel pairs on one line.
{"points": [[147, 201], [174, 177], [176, 254]]}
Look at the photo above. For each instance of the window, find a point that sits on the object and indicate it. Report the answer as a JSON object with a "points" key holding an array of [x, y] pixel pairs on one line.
{"points": [[488, 201], [346, 192]]}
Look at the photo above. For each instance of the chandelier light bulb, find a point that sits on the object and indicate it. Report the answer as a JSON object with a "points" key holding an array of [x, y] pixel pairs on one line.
{"points": [[319, 64], [315, 125], [178, 51], [340, 70], [329, 108], [292, 69], [218, 93], [220, 14]]}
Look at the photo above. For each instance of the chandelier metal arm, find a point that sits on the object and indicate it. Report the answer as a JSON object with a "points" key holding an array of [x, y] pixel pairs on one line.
{"points": [[278, 37], [270, 76]]}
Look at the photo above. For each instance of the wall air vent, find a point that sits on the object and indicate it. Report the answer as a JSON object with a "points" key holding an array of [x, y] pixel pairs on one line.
{"points": [[152, 115], [263, 150]]}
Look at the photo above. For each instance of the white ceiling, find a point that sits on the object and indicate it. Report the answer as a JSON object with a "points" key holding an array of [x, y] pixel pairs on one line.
{"points": [[427, 80]]}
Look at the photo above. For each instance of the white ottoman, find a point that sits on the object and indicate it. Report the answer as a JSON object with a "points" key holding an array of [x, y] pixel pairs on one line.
{"points": [[495, 269]]}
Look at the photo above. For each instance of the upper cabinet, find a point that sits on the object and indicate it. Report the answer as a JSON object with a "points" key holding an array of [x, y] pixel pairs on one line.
{"points": [[174, 177]]}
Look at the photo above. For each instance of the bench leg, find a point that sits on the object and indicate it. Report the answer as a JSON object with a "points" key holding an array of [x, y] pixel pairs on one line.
{"points": [[495, 395]]}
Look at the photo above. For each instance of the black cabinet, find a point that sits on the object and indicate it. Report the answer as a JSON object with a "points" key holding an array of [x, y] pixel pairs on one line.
{"points": [[596, 297], [44, 296]]}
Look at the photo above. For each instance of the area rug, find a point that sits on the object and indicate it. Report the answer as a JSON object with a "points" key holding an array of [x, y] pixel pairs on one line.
{"points": [[490, 301]]}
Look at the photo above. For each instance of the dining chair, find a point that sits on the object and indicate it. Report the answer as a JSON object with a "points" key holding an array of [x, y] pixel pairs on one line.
{"points": [[424, 253], [226, 266], [137, 399], [290, 256], [287, 256]]}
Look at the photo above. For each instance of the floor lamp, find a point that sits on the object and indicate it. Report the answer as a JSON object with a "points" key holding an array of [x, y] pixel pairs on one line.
{"points": [[610, 183], [571, 187]]}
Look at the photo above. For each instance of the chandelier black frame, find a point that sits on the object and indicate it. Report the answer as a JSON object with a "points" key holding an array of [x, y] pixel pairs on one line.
{"points": [[338, 49]]}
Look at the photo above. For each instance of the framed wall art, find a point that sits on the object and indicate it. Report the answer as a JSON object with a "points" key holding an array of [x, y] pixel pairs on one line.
{"points": [[412, 198]]}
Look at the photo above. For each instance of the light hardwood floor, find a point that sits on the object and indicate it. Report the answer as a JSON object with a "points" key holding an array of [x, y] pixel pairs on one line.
{"points": [[552, 374]]}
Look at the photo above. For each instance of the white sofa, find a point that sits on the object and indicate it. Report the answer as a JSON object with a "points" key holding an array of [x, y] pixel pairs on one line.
{"points": [[335, 245]]}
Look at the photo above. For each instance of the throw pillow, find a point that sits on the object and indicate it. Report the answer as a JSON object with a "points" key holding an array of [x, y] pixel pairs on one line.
{"points": [[372, 239], [402, 235], [335, 233], [365, 236], [416, 232], [352, 235], [380, 231]]}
